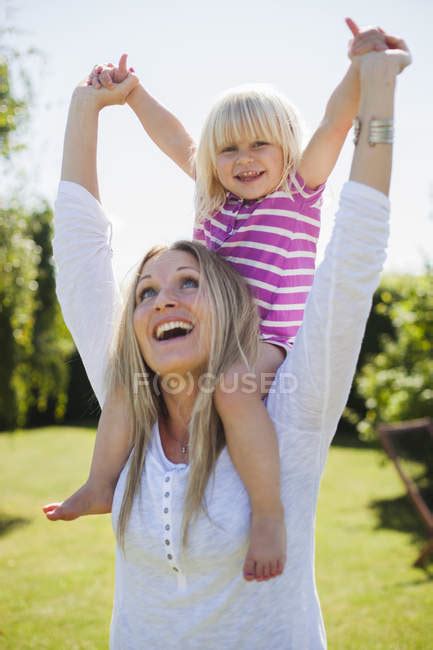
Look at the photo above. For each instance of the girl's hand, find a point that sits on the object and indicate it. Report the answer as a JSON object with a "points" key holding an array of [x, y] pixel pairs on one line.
{"points": [[374, 40], [107, 75]]}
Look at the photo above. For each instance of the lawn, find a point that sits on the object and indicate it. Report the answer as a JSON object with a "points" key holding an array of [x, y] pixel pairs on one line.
{"points": [[57, 578]]}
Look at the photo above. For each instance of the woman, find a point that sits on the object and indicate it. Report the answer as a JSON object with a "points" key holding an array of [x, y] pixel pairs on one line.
{"points": [[168, 596]]}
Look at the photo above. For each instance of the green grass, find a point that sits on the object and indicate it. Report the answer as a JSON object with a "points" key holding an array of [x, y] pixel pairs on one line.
{"points": [[56, 579]]}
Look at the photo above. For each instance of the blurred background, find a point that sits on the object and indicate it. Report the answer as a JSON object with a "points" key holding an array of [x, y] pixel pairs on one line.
{"points": [[186, 54]]}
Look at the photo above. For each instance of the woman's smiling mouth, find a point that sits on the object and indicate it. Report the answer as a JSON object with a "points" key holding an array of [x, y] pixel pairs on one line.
{"points": [[172, 329]]}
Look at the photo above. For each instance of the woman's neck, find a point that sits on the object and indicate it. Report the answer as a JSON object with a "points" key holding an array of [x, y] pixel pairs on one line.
{"points": [[179, 406]]}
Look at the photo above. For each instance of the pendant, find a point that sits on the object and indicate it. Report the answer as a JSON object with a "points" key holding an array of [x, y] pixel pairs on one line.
{"points": [[184, 449]]}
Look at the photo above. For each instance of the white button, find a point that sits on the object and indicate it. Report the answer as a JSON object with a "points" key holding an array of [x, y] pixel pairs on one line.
{"points": [[167, 542], [165, 510], [167, 478], [167, 494], [167, 527]]}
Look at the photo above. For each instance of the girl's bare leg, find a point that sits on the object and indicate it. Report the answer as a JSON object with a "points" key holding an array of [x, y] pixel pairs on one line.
{"points": [[112, 446], [253, 447]]}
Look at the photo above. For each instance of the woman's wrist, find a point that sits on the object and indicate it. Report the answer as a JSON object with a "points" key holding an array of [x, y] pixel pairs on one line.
{"points": [[84, 98]]}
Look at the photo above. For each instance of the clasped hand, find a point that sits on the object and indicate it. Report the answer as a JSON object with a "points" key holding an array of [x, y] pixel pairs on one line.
{"points": [[108, 85], [369, 49]]}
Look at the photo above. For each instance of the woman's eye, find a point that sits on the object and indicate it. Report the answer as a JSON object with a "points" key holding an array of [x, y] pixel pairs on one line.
{"points": [[148, 292], [190, 283]]}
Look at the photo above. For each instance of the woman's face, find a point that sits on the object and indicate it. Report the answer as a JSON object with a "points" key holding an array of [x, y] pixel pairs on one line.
{"points": [[172, 315]]}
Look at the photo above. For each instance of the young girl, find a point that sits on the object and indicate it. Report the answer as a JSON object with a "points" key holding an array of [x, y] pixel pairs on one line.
{"points": [[258, 205]]}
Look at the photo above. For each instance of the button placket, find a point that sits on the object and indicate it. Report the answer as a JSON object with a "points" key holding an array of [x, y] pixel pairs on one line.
{"points": [[167, 522]]}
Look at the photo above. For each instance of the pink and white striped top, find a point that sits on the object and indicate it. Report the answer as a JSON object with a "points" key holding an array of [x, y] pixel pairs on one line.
{"points": [[272, 243]]}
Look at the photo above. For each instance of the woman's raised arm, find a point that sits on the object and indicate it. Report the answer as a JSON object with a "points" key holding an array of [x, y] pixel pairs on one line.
{"points": [[313, 384], [85, 283], [79, 151]]}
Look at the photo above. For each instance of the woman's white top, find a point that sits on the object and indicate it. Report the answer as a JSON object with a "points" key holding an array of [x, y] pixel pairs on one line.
{"points": [[201, 601]]}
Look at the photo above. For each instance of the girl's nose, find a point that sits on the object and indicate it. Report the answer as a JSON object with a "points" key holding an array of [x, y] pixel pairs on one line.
{"points": [[244, 155]]}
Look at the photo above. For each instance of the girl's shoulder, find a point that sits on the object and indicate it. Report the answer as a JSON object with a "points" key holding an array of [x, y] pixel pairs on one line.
{"points": [[301, 192]]}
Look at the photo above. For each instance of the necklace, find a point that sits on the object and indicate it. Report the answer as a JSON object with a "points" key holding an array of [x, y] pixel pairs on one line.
{"points": [[184, 446]]}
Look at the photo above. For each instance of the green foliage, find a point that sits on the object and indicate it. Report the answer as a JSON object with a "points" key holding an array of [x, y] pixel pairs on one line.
{"points": [[397, 382], [19, 257], [12, 110], [34, 341]]}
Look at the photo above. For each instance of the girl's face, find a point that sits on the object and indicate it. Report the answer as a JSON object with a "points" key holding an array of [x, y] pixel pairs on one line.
{"points": [[171, 318], [250, 168]]}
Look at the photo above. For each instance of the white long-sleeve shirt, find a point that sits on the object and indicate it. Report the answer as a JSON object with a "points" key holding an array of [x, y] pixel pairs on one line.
{"points": [[164, 600]]}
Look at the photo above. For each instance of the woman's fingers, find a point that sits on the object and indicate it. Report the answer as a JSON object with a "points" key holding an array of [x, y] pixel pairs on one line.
{"points": [[395, 43], [352, 26], [368, 44]]}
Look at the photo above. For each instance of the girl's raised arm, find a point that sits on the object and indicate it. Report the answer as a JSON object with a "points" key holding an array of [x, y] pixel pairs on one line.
{"points": [[321, 153], [166, 131], [325, 353]]}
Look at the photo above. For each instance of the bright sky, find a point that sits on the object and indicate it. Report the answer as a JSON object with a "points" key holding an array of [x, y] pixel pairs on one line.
{"points": [[185, 54]]}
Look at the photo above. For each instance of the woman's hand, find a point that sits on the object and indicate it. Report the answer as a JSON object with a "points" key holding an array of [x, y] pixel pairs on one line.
{"points": [[372, 41]]}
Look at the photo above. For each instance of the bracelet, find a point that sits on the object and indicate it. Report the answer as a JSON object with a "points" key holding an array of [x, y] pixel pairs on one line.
{"points": [[356, 130], [379, 131]]}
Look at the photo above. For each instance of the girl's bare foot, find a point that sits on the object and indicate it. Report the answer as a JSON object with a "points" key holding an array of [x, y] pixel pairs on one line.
{"points": [[266, 555], [85, 501]]}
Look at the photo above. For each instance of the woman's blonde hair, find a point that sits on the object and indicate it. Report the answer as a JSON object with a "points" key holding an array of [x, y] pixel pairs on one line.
{"points": [[255, 112], [234, 335]]}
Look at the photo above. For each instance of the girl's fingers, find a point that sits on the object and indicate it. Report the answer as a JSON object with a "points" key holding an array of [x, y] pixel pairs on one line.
{"points": [[123, 64], [352, 26], [95, 83], [105, 79]]}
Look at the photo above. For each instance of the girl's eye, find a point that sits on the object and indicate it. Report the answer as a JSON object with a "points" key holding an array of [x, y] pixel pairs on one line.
{"points": [[260, 143], [190, 283], [228, 149]]}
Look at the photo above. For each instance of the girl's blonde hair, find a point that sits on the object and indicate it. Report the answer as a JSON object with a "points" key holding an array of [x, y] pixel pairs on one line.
{"points": [[234, 334], [255, 112]]}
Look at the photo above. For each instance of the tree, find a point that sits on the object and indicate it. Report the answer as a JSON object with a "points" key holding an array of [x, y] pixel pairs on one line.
{"points": [[34, 342]]}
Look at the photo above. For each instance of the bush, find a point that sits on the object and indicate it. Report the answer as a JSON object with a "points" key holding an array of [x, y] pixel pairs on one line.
{"points": [[397, 382]]}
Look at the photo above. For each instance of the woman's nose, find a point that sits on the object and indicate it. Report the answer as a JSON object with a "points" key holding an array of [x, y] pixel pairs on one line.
{"points": [[165, 299]]}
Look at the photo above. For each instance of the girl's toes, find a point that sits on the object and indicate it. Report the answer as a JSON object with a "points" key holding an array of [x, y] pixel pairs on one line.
{"points": [[259, 571], [249, 569], [273, 568], [280, 567], [54, 514]]}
